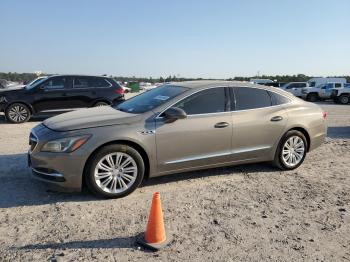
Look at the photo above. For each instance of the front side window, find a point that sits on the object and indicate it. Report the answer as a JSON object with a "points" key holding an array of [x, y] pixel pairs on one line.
{"points": [[151, 99], [55, 83], [251, 98], [337, 85], [204, 102]]}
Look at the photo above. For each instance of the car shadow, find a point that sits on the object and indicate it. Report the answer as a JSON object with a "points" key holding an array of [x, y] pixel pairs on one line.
{"points": [[219, 171], [342, 132], [119, 242], [19, 189]]}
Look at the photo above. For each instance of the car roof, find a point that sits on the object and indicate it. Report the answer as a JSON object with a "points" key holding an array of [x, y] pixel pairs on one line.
{"points": [[202, 84], [199, 84], [68, 75]]}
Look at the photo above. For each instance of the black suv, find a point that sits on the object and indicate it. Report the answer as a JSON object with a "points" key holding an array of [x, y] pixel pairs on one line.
{"points": [[59, 93]]}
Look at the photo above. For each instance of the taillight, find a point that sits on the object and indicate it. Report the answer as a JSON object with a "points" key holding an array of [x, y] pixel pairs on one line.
{"points": [[324, 115], [119, 91]]}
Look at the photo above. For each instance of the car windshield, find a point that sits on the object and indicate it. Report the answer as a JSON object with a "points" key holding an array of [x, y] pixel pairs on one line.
{"points": [[35, 81], [150, 99]]}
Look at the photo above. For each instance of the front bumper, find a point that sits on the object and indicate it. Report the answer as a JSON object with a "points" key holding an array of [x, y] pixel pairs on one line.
{"points": [[62, 171], [2, 107]]}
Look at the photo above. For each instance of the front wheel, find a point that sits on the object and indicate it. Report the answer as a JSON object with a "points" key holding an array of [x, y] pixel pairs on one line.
{"points": [[291, 151], [115, 171], [17, 113]]}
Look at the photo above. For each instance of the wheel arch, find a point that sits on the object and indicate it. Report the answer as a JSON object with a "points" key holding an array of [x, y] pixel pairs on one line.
{"points": [[31, 108], [304, 132], [132, 144]]}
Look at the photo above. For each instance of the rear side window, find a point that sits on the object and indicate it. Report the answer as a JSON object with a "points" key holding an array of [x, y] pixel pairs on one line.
{"points": [[204, 102], [278, 99], [90, 82], [55, 83], [337, 85], [251, 98]]}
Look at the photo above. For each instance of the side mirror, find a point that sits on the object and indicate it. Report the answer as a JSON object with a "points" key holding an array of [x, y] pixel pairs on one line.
{"points": [[174, 113]]}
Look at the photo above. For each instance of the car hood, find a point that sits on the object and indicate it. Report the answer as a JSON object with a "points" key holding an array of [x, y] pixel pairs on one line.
{"points": [[91, 117], [11, 90]]}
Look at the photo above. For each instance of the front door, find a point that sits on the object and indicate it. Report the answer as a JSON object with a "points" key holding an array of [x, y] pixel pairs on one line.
{"points": [[201, 139], [51, 95]]}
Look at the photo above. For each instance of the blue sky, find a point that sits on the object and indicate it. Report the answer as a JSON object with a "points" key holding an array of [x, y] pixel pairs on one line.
{"points": [[190, 38]]}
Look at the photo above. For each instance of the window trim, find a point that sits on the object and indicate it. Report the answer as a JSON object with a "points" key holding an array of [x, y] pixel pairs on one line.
{"points": [[77, 88], [232, 99], [289, 100], [227, 99]]}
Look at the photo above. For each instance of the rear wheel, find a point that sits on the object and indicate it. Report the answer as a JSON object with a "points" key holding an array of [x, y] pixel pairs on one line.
{"points": [[312, 97], [17, 113], [291, 151], [101, 103], [115, 171], [344, 99]]}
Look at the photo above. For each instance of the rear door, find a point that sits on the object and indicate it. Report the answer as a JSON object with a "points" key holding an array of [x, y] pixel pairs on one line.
{"points": [[87, 90], [258, 123], [201, 139], [50, 95]]}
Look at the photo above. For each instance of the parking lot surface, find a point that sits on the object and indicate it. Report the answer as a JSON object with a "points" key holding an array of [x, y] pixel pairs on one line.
{"points": [[251, 212]]}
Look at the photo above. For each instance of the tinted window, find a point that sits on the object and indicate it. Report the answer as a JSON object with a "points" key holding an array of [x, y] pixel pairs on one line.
{"points": [[250, 98], [278, 99], [150, 99], [55, 83], [337, 85], [208, 101], [291, 86], [88, 82]]}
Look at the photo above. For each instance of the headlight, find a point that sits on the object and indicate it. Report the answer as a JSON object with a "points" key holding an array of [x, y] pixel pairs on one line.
{"points": [[68, 144]]}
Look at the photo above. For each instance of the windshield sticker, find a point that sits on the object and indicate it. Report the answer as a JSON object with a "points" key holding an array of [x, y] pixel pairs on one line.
{"points": [[160, 97]]}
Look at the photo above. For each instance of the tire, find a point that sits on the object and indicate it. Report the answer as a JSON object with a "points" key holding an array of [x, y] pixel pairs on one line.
{"points": [[312, 97], [101, 103], [344, 99], [17, 113], [281, 152], [100, 164]]}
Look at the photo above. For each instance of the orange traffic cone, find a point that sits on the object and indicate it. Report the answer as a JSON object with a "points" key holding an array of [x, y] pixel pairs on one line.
{"points": [[155, 236]]}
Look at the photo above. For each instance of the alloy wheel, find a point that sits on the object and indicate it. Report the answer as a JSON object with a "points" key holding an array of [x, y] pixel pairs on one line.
{"points": [[115, 172], [293, 151], [18, 113]]}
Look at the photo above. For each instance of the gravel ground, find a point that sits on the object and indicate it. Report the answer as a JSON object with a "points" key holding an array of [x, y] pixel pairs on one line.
{"points": [[250, 212]]}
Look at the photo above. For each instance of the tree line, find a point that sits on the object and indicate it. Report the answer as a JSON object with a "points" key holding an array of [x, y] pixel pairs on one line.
{"points": [[27, 77]]}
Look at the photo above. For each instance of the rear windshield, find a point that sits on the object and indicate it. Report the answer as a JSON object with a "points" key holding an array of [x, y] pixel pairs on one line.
{"points": [[150, 99]]}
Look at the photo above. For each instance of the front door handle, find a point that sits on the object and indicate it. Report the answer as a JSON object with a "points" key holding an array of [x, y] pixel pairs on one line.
{"points": [[276, 118], [221, 125]]}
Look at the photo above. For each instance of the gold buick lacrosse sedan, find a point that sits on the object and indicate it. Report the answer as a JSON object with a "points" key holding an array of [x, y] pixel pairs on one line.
{"points": [[174, 128]]}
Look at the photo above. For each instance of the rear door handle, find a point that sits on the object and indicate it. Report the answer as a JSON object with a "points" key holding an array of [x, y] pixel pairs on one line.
{"points": [[276, 118], [221, 125]]}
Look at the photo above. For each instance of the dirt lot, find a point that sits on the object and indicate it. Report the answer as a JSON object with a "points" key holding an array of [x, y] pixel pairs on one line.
{"points": [[250, 213]]}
